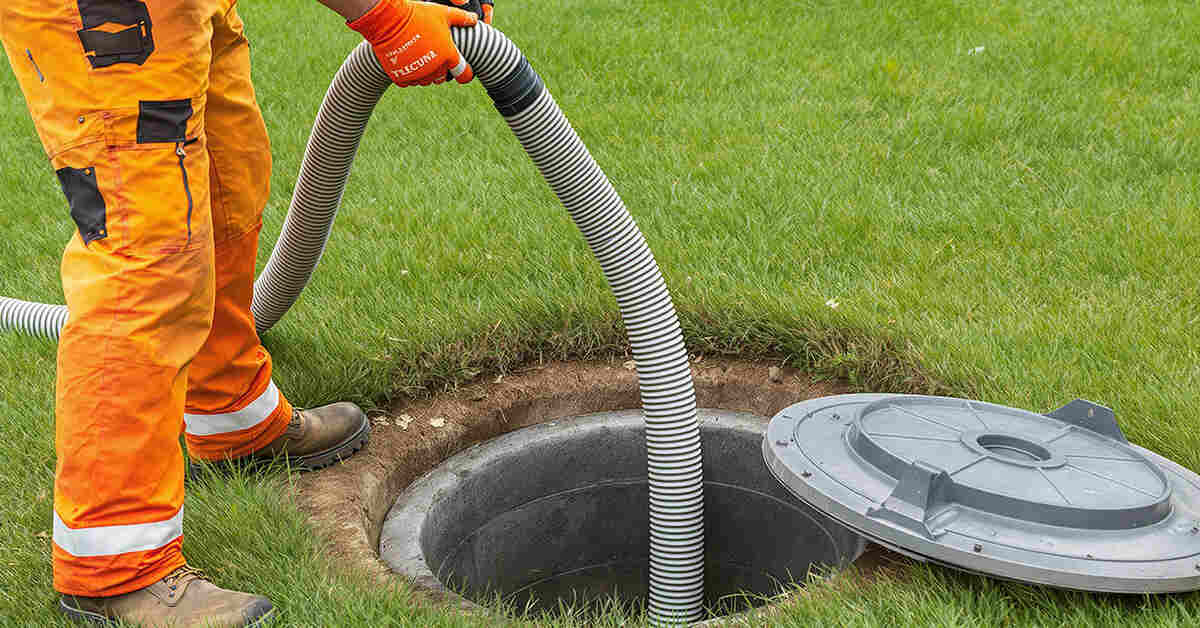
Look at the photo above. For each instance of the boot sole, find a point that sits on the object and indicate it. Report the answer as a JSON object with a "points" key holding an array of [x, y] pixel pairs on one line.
{"points": [[339, 452], [80, 615]]}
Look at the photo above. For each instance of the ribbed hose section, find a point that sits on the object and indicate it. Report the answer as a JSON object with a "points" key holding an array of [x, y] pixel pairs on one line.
{"points": [[35, 319], [356, 89], [664, 375]]}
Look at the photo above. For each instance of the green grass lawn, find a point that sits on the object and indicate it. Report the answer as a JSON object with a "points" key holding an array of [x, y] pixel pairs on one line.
{"points": [[996, 200]]}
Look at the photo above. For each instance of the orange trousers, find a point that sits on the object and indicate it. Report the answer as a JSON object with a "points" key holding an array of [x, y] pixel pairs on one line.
{"points": [[150, 121]]}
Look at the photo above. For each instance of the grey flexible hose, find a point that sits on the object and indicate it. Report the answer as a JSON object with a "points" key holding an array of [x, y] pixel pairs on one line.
{"points": [[664, 376], [352, 96], [35, 319]]}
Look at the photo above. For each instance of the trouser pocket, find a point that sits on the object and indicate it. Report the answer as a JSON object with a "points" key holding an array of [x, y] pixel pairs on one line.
{"points": [[115, 31], [139, 198], [166, 121]]}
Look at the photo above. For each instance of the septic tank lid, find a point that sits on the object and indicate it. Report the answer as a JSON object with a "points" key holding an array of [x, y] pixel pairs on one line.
{"points": [[1061, 499]]}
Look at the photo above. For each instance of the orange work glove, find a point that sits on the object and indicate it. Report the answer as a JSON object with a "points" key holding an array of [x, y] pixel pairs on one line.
{"points": [[412, 41]]}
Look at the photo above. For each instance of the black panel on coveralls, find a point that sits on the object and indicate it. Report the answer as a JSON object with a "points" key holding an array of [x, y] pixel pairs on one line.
{"points": [[132, 44], [87, 205], [163, 120]]}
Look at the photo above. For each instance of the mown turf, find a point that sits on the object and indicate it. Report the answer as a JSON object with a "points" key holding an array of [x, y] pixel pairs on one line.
{"points": [[993, 200]]}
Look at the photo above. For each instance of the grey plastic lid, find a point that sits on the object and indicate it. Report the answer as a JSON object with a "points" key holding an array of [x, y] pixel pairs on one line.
{"points": [[1060, 499]]}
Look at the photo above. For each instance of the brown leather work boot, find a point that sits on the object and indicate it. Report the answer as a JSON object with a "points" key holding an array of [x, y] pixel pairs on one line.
{"points": [[318, 437], [184, 598]]}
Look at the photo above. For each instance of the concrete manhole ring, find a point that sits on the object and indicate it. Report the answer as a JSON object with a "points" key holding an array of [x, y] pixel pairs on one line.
{"points": [[350, 502]]}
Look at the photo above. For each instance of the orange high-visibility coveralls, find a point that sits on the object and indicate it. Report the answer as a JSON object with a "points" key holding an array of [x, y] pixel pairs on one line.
{"points": [[149, 119]]}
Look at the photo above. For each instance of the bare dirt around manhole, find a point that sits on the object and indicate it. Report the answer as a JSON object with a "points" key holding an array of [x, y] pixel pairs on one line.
{"points": [[348, 502]]}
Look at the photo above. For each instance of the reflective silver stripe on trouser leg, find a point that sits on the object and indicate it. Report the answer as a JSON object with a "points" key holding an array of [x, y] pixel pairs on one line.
{"points": [[117, 539], [258, 410]]}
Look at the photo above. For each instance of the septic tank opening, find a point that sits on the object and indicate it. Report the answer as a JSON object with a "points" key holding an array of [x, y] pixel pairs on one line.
{"points": [[558, 513], [349, 502]]}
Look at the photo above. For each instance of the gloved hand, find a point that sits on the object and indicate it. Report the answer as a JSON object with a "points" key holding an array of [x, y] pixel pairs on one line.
{"points": [[482, 8], [412, 41]]}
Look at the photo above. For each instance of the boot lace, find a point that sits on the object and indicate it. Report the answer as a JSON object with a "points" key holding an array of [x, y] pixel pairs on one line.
{"points": [[295, 427], [183, 575]]}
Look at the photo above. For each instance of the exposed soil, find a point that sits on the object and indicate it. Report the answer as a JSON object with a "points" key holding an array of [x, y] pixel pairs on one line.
{"points": [[348, 502]]}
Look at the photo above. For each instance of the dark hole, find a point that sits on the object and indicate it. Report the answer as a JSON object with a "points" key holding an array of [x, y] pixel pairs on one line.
{"points": [[563, 519]]}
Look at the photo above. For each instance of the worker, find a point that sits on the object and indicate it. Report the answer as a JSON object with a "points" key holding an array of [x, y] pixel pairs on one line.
{"points": [[148, 116]]}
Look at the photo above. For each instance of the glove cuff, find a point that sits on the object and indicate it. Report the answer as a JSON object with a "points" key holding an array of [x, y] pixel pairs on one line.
{"points": [[384, 21]]}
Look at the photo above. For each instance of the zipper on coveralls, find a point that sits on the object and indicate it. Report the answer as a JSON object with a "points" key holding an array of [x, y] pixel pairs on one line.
{"points": [[29, 53], [187, 189]]}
